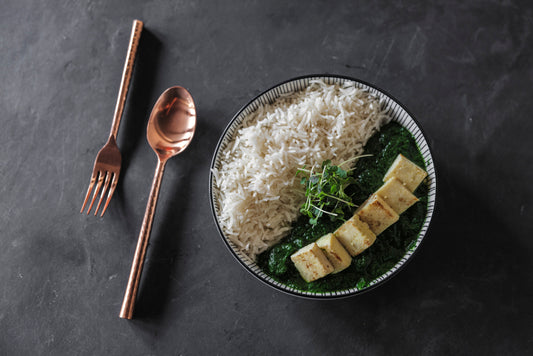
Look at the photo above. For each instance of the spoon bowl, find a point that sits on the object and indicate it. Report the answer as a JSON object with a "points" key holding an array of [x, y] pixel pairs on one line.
{"points": [[172, 122], [170, 130]]}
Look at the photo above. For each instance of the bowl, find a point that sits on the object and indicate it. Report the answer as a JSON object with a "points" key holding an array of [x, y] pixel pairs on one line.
{"points": [[398, 113]]}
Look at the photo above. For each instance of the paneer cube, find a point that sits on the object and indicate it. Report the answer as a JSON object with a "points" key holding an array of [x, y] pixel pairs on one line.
{"points": [[355, 236], [336, 254], [377, 214], [406, 172], [311, 262], [396, 195]]}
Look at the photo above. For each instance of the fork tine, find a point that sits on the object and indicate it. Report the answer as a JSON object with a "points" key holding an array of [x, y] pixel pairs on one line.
{"points": [[104, 190], [96, 190], [111, 191], [91, 184]]}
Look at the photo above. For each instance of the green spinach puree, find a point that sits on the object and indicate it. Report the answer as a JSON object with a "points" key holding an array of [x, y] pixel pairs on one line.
{"points": [[389, 247]]}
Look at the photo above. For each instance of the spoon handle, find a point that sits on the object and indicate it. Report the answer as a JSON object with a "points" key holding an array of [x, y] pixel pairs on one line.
{"points": [[126, 75], [126, 312]]}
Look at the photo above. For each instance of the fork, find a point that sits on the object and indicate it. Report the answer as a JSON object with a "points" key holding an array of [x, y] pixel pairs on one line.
{"points": [[108, 160]]}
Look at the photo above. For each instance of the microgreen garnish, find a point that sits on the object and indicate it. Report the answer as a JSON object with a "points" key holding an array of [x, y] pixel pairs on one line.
{"points": [[325, 190]]}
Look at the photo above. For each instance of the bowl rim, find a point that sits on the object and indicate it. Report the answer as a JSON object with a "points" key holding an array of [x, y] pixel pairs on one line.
{"points": [[345, 293]]}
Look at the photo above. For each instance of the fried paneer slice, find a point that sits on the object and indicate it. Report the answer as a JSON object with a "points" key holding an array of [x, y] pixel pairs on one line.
{"points": [[355, 235], [377, 214], [311, 262], [406, 172], [396, 195], [335, 252]]}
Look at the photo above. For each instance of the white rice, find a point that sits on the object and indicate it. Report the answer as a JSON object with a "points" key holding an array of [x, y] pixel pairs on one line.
{"points": [[257, 191]]}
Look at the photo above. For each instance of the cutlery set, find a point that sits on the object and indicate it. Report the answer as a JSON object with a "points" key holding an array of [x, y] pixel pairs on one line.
{"points": [[170, 129]]}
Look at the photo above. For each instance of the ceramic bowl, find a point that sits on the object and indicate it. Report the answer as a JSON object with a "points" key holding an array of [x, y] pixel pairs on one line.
{"points": [[398, 113]]}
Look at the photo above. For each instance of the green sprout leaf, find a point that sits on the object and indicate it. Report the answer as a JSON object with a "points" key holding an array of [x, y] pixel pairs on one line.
{"points": [[324, 191], [361, 283]]}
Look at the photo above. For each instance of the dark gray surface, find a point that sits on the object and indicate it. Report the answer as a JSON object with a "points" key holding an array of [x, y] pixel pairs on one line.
{"points": [[464, 70]]}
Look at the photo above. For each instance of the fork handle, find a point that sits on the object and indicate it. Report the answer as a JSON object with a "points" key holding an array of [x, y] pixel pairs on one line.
{"points": [[126, 312], [126, 75]]}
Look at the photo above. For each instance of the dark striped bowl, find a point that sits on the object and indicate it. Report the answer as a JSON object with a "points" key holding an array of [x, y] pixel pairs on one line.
{"points": [[398, 113]]}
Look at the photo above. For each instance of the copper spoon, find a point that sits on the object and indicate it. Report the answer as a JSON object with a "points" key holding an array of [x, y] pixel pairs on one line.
{"points": [[170, 130]]}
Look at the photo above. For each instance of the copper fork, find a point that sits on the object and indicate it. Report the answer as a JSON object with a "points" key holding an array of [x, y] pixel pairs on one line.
{"points": [[108, 160]]}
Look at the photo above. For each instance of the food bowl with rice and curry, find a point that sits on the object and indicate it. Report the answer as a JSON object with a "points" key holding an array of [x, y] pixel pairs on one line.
{"points": [[323, 186]]}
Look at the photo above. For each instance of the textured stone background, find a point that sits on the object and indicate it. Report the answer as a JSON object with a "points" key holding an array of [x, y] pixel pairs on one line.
{"points": [[464, 69]]}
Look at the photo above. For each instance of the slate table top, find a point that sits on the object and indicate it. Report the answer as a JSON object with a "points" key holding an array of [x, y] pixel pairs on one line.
{"points": [[464, 69]]}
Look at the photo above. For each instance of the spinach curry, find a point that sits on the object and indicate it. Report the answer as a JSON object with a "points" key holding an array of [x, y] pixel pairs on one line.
{"points": [[389, 247]]}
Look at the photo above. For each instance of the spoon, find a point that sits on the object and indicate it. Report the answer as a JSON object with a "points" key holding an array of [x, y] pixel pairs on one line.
{"points": [[170, 130]]}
